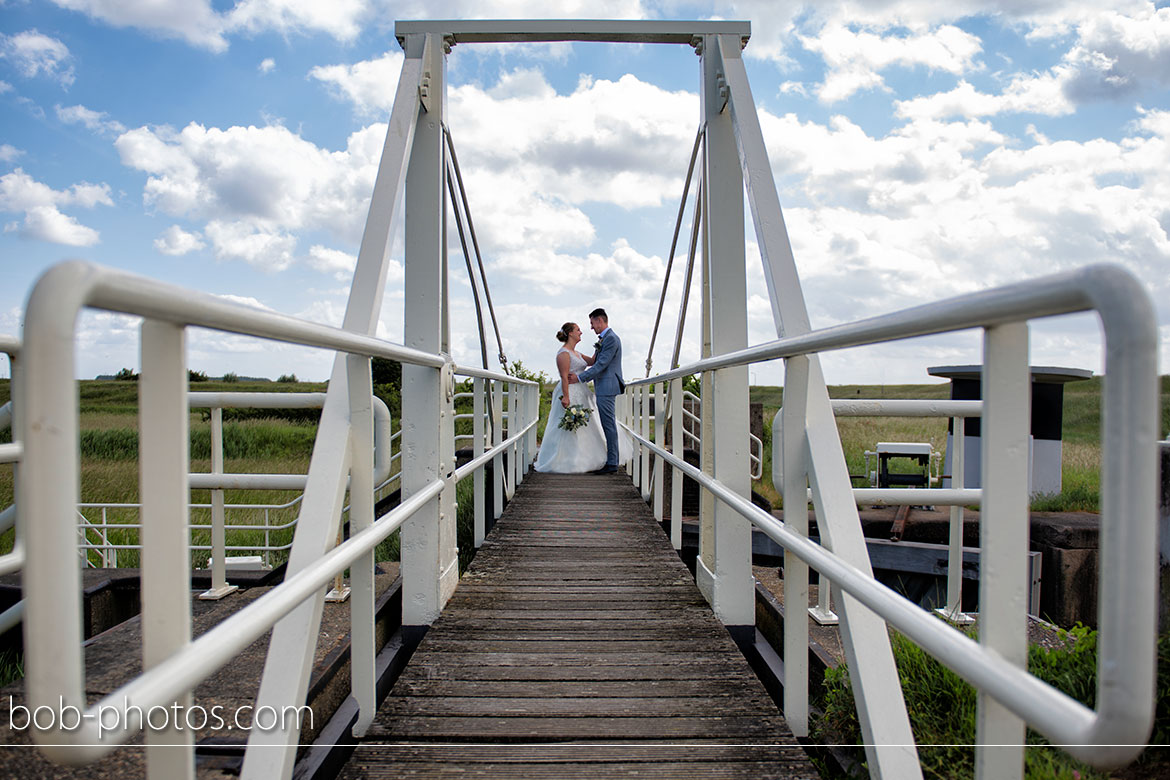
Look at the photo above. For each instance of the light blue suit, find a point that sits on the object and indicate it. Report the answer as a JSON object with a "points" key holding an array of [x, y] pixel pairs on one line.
{"points": [[606, 374]]}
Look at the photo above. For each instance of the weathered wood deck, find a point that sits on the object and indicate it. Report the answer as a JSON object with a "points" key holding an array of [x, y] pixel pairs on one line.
{"points": [[577, 645]]}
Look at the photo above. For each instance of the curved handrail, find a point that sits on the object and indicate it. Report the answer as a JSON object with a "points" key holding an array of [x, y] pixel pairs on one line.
{"points": [[54, 673], [1114, 732]]}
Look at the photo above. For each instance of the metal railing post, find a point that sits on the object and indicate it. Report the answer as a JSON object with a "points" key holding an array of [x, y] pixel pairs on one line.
{"points": [[954, 608], [498, 479], [1003, 591], [219, 586], [363, 680], [514, 403], [166, 563], [660, 439], [823, 612], [788, 451], [477, 437], [644, 460], [677, 448]]}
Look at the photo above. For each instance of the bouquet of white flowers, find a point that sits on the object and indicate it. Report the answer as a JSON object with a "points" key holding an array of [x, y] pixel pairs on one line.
{"points": [[575, 417]]}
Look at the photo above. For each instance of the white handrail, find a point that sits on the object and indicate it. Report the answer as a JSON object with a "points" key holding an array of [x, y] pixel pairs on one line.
{"points": [[54, 668], [52, 579], [1115, 732], [13, 560], [204, 655]]}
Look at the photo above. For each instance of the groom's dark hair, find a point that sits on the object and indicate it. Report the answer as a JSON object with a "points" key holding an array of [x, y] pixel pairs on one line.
{"points": [[599, 313]]}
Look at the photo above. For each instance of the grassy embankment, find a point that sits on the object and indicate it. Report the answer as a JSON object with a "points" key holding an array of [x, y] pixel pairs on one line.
{"points": [[1081, 471]]}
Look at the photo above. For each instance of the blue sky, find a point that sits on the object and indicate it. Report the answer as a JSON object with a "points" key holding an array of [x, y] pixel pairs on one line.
{"points": [[921, 151]]}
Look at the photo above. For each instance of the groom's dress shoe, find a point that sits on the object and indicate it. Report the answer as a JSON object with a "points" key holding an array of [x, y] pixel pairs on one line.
{"points": [[607, 470]]}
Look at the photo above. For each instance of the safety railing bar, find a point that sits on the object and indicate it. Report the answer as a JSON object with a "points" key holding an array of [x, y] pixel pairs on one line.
{"points": [[469, 468], [7, 518], [270, 400], [13, 561], [10, 345], [186, 668], [1043, 706], [11, 617], [918, 496], [11, 453], [6, 415], [110, 289], [891, 407], [1064, 293], [483, 373]]}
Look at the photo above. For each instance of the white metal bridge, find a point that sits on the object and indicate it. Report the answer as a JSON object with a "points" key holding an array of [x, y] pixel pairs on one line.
{"points": [[730, 160]]}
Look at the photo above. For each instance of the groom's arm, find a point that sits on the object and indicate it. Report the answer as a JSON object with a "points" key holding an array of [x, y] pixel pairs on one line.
{"points": [[609, 348]]}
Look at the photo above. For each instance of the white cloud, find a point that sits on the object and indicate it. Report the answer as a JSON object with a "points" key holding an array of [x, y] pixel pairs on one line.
{"points": [[1042, 94], [8, 152], [370, 85], [269, 177], [194, 21], [266, 249], [97, 121], [855, 59], [935, 209], [176, 241], [332, 261], [267, 65], [46, 223], [5, 87], [1117, 54], [342, 19], [43, 219], [34, 54]]}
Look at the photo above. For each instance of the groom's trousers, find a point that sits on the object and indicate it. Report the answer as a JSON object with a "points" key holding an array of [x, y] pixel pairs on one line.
{"points": [[606, 409]]}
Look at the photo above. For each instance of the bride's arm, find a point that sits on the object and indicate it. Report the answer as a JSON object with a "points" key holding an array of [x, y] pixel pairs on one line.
{"points": [[589, 359], [563, 370]]}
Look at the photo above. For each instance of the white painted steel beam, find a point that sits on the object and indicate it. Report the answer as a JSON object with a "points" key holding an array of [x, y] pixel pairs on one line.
{"points": [[272, 753], [603, 31], [427, 580], [733, 594], [889, 740]]}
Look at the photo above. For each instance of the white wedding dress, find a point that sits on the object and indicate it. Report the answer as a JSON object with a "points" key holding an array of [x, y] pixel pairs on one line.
{"points": [[582, 450]]}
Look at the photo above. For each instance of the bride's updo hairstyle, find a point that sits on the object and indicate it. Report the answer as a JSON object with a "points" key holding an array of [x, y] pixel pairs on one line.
{"points": [[563, 333]]}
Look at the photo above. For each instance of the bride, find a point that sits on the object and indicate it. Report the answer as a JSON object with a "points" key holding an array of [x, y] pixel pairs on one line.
{"points": [[583, 449]]}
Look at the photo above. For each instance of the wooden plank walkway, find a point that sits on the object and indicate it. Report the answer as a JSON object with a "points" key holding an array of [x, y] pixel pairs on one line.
{"points": [[577, 645]]}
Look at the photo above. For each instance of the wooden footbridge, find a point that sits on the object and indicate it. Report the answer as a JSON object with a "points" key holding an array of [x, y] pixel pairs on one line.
{"points": [[577, 645]]}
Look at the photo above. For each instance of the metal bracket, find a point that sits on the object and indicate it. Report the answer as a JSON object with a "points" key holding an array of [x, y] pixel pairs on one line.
{"points": [[824, 617], [448, 381], [424, 91], [697, 45], [336, 596]]}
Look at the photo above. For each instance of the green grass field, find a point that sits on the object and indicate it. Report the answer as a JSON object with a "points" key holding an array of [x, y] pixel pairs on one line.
{"points": [[1081, 462]]}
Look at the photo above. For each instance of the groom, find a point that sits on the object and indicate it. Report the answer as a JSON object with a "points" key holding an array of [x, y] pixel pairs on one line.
{"points": [[606, 373]]}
